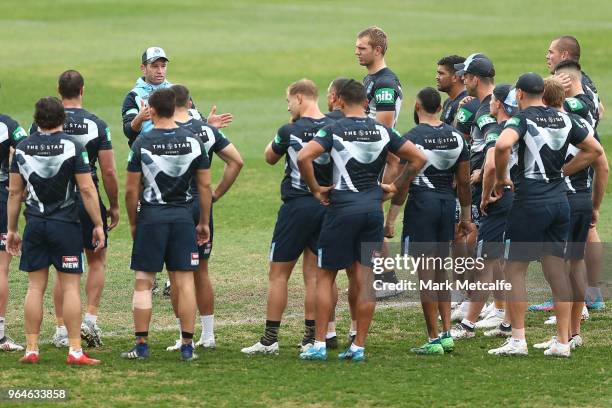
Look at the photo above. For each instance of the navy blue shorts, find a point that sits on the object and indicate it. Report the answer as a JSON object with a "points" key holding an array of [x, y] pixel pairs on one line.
{"points": [[3, 226], [346, 238], [490, 243], [535, 229], [203, 250], [476, 197], [298, 225], [87, 225], [171, 243], [50, 242], [429, 225], [581, 211]]}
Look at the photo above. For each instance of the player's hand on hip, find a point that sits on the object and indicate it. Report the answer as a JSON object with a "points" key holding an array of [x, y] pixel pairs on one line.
{"points": [[202, 234], [13, 243], [389, 230], [500, 186], [113, 214], [98, 239]]}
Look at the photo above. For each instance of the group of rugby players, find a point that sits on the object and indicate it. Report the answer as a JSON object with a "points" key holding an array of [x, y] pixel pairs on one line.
{"points": [[471, 153]]}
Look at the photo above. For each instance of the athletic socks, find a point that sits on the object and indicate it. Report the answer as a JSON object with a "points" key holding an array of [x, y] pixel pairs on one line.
{"points": [[91, 318], [467, 324], [309, 331], [330, 335], [1, 327], [319, 344], [355, 348], [61, 330], [208, 327], [271, 334], [76, 353]]}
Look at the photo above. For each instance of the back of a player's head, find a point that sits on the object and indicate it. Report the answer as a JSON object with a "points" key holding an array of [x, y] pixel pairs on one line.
{"points": [[449, 62], [70, 84], [554, 93], [337, 84], [304, 87], [376, 38], [570, 67], [163, 101], [352, 93], [569, 44], [181, 94], [49, 113], [429, 99]]}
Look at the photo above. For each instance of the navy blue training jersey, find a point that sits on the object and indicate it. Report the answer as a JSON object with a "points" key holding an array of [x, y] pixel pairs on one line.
{"points": [[444, 148], [384, 93], [591, 92], [580, 182], [544, 137], [491, 137], [464, 119], [168, 160], [482, 121], [89, 130], [358, 149], [288, 141], [213, 139], [450, 108], [10, 135], [48, 163], [335, 114]]}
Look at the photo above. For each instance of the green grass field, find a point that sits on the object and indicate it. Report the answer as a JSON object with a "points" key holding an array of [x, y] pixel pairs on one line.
{"points": [[241, 55]]}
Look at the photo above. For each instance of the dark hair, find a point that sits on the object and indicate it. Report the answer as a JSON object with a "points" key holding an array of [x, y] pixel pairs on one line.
{"points": [[49, 113], [430, 99], [569, 64], [338, 83], [352, 92], [70, 84], [181, 94], [570, 44], [450, 61], [163, 101]]}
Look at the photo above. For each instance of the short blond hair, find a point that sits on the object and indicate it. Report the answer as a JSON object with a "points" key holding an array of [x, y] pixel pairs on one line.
{"points": [[304, 87], [554, 93], [377, 38]]}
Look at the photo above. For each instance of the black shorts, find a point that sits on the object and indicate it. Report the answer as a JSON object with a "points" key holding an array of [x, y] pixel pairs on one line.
{"points": [[476, 198], [346, 238], [429, 225], [51, 242], [581, 210], [171, 243], [87, 225], [298, 225], [490, 243], [534, 229], [203, 250], [3, 226]]}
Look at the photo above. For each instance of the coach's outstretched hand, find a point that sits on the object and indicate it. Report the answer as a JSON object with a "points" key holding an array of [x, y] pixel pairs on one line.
{"points": [[13, 243], [219, 121], [322, 194], [202, 234]]}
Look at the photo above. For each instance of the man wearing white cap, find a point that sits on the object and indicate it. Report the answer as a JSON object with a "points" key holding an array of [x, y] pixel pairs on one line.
{"points": [[135, 111]]}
